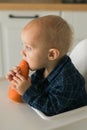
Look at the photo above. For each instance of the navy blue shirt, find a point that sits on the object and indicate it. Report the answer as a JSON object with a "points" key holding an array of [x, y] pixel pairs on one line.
{"points": [[62, 90]]}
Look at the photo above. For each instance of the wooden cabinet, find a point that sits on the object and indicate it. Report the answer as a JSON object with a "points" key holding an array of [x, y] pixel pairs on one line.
{"points": [[11, 24]]}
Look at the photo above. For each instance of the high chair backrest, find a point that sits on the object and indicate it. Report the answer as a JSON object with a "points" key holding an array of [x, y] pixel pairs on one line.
{"points": [[79, 58]]}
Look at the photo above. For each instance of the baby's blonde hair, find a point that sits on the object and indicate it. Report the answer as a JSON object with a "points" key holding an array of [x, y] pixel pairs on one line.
{"points": [[58, 33]]}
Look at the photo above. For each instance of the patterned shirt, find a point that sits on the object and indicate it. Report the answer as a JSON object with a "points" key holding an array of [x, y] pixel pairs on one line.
{"points": [[61, 91]]}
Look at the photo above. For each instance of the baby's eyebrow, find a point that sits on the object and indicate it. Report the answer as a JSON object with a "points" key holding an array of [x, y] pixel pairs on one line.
{"points": [[27, 44]]}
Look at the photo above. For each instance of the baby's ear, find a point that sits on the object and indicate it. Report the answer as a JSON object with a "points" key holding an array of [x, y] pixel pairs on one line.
{"points": [[53, 54]]}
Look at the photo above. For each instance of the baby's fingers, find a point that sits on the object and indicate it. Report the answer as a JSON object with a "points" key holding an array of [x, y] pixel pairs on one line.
{"points": [[19, 76], [17, 69], [10, 75]]}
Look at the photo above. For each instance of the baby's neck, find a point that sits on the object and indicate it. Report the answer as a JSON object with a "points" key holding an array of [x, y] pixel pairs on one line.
{"points": [[46, 73], [49, 68]]}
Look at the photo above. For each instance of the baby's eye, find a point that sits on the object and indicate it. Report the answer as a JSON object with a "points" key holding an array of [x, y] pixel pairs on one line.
{"points": [[27, 48]]}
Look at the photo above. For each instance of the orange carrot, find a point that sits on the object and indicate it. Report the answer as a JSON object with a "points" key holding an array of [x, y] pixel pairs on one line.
{"points": [[13, 94]]}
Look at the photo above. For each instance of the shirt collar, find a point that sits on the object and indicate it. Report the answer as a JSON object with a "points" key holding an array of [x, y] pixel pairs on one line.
{"points": [[58, 68]]}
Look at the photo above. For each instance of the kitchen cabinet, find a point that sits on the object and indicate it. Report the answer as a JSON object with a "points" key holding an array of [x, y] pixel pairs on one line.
{"points": [[78, 23], [11, 24]]}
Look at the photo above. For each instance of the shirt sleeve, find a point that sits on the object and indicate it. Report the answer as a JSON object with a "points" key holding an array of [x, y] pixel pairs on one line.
{"points": [[50, 102]]}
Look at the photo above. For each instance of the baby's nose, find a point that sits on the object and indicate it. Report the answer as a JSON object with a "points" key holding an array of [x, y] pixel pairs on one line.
{"points": [[23, 53]]}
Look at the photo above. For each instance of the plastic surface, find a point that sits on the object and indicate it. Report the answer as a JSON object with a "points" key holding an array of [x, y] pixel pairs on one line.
{"points": [[79, 58]]}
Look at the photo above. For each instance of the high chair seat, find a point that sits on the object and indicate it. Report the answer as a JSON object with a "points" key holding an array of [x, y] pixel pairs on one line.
{"points": [[79, 58]]}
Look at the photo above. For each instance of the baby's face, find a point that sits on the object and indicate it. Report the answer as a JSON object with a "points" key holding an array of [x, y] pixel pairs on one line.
{"points": [[35, 50]]}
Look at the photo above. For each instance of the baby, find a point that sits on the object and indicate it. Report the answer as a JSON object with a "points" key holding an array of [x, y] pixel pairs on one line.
{"points": [[56, 86]]}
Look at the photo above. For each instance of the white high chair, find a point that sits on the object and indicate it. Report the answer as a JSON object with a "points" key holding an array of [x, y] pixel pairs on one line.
{"points": [[79, 58], [69, 119]]}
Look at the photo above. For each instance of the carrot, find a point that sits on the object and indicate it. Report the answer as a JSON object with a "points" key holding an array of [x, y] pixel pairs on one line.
{"points": [[13, 94]]}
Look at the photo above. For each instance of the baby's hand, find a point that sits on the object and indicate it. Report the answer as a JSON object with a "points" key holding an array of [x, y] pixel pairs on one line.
{"points": [[12, 73], [20, 84]]}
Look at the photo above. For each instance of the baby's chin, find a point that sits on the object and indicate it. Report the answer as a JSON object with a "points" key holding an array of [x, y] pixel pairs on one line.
{"points": [[31, 69]]}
